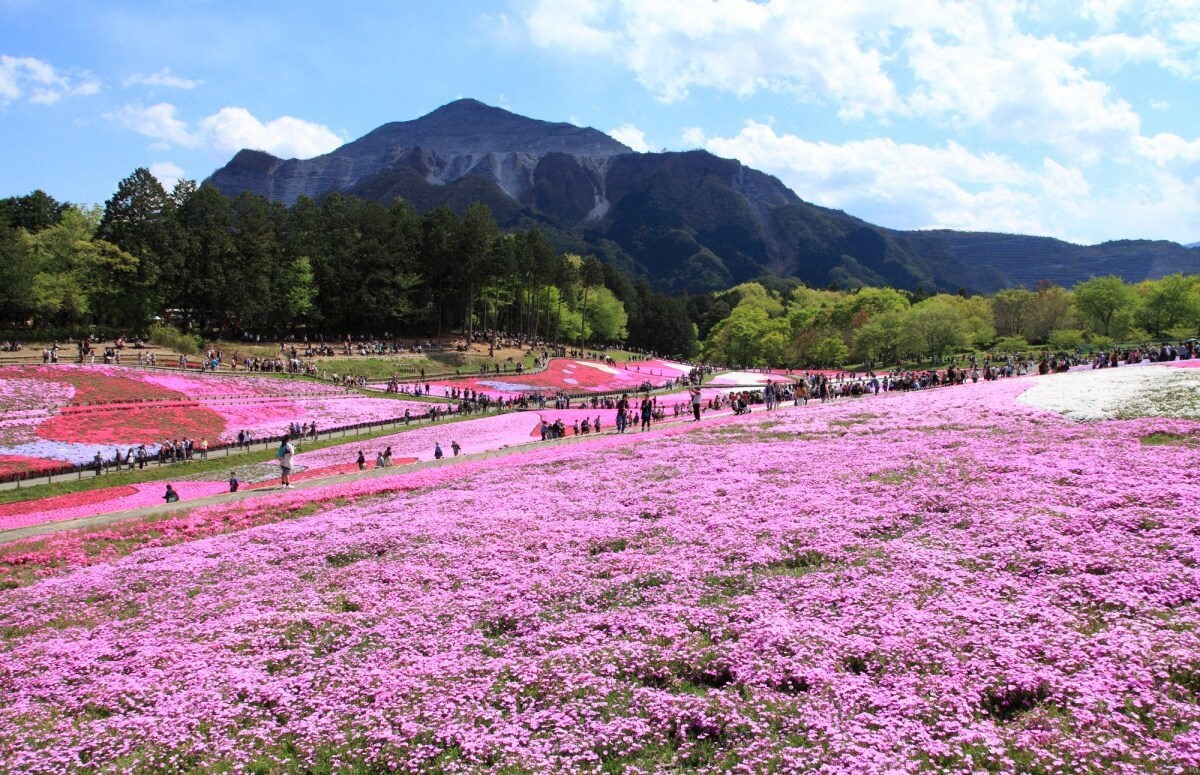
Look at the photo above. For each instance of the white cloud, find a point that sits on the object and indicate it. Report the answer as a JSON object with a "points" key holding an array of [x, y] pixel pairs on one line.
{"points": [[1117, 50], [159, 122], [569, 24], [739, 46], [40, 82], [167, 173], [631, 136], [161, 78], [1167, 148], [232, 129], [910, 186], [1160, 104], [229, 129], [965, 67], [693, 137]]}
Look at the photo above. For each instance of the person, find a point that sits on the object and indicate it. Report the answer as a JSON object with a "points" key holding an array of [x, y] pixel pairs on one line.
{"points": [[437, 451], [98, 463], [695, 404], [647, 412], [622, 413], [285, 453], [379, 460], [362, 460], [204, 449], [455, 448], [233, 481], [387, 457], [170, 496]]}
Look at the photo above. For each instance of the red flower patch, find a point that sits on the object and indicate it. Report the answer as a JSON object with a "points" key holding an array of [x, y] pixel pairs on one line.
{"points": [[142, 424], [17, 464], [72, 500]]}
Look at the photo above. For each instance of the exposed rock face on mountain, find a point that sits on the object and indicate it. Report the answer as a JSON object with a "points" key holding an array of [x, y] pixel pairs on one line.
{"points": [[458, 140], [688, 221]]}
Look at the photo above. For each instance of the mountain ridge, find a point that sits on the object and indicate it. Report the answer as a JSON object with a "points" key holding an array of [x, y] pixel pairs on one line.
{"points": [[688, 221]]}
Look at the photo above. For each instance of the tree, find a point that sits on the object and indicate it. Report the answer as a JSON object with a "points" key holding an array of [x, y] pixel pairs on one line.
{"points": [[17, 268], [108, 271], [1011, 310], [1050, 310], [33, 212], [830, 352], [881, 337], [476, 234], [1173, 301], [1106, 304], [200, 283], [936, 327], [590, 274], [135, 220], [439, 233], [739, 339]]}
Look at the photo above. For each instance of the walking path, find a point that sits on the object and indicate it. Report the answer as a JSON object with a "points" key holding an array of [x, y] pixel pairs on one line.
{"points": [[99, 520]]}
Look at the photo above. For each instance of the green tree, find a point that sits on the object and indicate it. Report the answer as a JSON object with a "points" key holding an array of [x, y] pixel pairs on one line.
{"points": [[830, 352], [590, 275], [1105, 304], [33, 212], [1012, 310], [17, 268], [62, 258], [880, 339], [935, 326], [207, 258], [476, 233], [1169, 303], [135, 220], [1051, 310]]}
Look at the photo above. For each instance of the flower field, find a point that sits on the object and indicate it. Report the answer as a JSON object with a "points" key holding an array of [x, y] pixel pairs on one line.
{"points": [[66, 414], [936, 581], [571, 375]]}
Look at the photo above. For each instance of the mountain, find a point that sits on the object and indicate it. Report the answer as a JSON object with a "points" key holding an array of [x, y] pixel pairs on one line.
{"points": [[687, 221]]}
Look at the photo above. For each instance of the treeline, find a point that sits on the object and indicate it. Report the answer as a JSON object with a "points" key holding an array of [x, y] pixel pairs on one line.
{"points": [[345, 266], [782, 323]]}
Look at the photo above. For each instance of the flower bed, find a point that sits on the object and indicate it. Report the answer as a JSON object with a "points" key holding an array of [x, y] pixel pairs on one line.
{"points": [[480, 434], [569, 375], [102, 501], [64, 414], [937, 581], [133, 425]]}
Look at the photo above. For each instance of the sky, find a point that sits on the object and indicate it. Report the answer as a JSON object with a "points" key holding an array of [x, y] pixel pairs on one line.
{"points": [[1078, 120]]}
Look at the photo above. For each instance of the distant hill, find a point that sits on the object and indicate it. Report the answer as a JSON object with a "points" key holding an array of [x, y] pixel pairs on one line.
{"points": [[687, 221]]}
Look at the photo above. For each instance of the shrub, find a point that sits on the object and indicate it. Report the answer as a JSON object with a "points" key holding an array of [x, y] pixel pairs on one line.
{"points": [[174, 339]]}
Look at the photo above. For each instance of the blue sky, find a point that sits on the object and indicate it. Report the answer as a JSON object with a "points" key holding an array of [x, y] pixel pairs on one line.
{"points": [[1079, 120]]}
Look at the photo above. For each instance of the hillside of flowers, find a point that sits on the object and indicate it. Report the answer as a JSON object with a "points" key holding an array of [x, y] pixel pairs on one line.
{"points": [[936, 581], [50, 415], [571, 375]]}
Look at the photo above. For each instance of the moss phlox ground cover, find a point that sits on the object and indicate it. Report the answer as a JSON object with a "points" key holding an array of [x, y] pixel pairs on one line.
{"points": [[68, 413], [938, 581]]}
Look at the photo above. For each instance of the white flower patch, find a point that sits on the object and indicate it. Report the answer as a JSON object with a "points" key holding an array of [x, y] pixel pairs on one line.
{"points": [[1123, 392]]}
